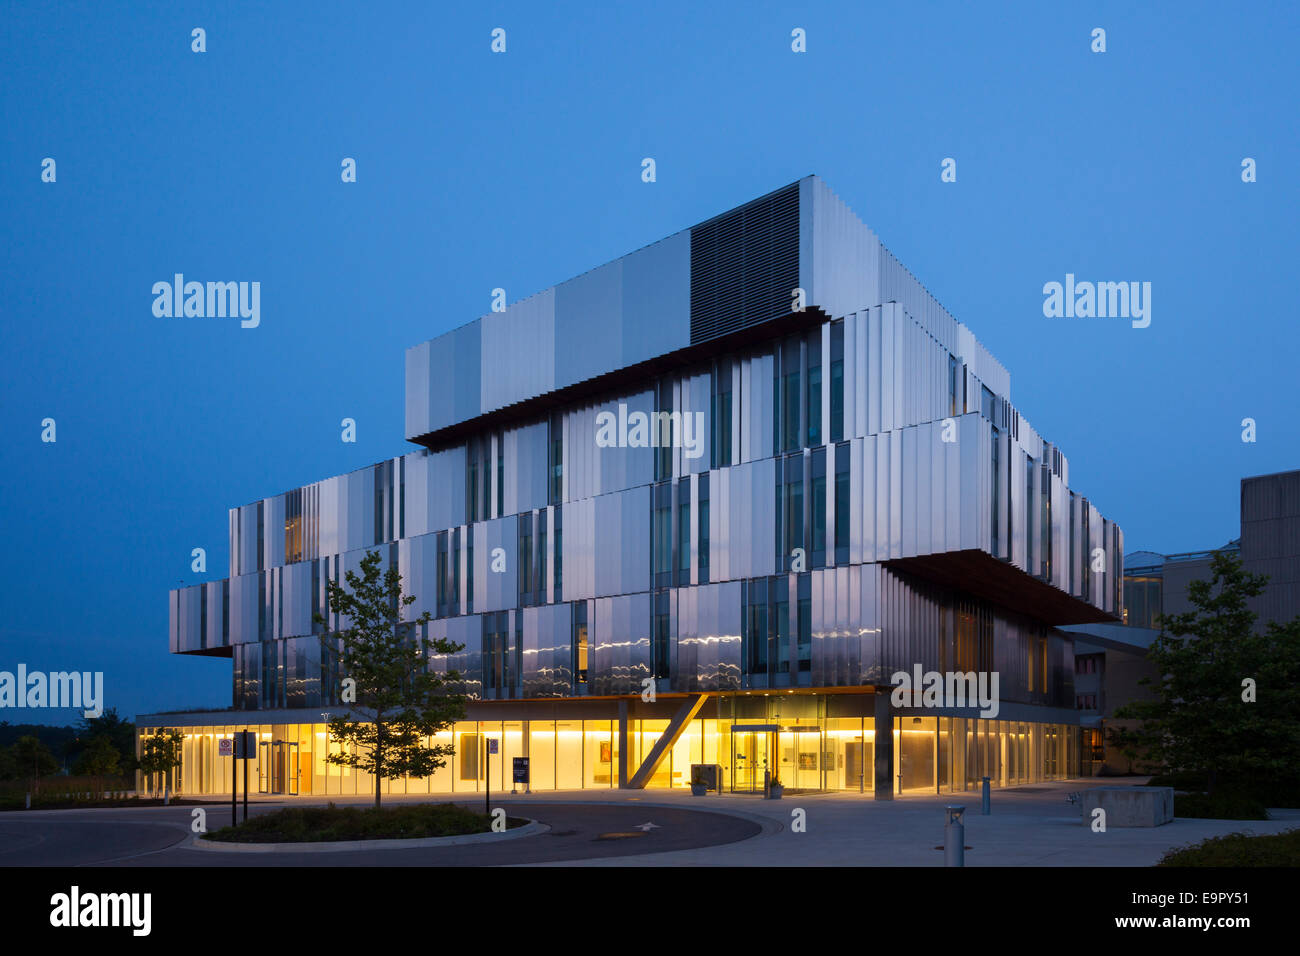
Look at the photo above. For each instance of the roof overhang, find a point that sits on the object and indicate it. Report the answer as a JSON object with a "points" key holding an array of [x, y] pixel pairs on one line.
{"points": [[979, 573]]}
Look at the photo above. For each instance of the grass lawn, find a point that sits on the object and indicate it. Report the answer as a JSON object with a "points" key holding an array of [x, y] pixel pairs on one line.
{"points": [[332, 823], [1239, 849]]}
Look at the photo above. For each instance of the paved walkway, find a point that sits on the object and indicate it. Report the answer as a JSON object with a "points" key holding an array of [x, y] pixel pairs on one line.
{"points": [[1030, 826]]}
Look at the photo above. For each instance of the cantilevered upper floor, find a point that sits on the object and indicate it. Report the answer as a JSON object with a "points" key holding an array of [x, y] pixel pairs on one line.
{"points": [[796, 255]]}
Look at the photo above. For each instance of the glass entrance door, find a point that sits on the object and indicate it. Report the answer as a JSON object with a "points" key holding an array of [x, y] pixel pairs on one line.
{"points": [[278, 767], [749, 760]]}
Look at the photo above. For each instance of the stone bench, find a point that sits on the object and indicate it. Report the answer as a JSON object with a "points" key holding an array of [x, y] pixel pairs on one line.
{"points": [[1129, 806]]}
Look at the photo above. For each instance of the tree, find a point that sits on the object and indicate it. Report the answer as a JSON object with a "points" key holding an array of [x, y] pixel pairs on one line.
{"points": [[100, 759], [385, 664], [1226, 702], [34, 758], [161, 754], [121, 733]]}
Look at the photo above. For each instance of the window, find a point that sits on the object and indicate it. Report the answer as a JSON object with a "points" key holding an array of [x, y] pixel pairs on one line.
{"points": [[790, 505], [790, 396], [555, 465], [954, 372], [661, 530], [818, 518], [663, 443], [703, 534], [1029, 514], [781, 623], [843, 506], [814, 396], [501, 477], [541, 558], [837, 381], [684, 534], [661, 634], [1045, 522], [754, 626], [525, 565], [580, 641], [559, 557], [995, 520], [804, 638], [720, 427]]}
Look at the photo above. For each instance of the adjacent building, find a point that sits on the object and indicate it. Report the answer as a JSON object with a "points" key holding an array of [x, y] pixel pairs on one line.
{"points": [[695, 506], [1110, 660]]}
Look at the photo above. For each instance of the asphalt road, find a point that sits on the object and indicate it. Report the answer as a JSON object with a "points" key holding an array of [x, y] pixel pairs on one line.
{"points": [[155, 837]]}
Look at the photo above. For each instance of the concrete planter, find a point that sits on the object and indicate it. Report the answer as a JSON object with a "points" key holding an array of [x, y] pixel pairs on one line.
{"points": [[1129, 806], [775, 791], [699, 790]]}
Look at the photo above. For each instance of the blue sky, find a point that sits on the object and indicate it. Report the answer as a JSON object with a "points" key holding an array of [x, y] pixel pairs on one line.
{"points": [[478, 170]]}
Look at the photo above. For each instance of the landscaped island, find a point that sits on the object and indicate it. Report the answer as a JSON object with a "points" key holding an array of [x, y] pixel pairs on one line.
{"points": [[332, 823]]}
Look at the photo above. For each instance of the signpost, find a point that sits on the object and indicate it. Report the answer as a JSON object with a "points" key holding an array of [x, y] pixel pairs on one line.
{"points": [[242, 747], [487, 775]]}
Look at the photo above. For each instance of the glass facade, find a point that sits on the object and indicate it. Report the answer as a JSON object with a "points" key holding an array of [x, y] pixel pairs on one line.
{"points": [[812, 752]]}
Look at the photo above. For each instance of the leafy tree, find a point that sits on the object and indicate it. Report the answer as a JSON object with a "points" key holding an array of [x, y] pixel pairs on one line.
{"points": [[161, 754], [33, 758], [1200, 719], [385, 664], [121, 733], [100, 759]]}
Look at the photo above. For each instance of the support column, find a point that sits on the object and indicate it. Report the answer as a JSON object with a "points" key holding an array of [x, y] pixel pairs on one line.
{"points": [[884, 748], [622, 744]]}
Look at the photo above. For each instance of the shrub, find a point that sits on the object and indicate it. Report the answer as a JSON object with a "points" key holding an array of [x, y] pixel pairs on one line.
{"points": [[1239, 849]]}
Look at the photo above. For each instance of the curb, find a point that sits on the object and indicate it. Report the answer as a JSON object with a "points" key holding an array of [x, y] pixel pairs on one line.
{"points": [[532, 828]]}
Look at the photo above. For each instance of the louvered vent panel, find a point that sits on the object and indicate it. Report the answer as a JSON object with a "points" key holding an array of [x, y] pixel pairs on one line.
{"points": [[745, 265]]}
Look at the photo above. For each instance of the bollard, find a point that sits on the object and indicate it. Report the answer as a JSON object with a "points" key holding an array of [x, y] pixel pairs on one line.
{"points": [[954, 837], [985, 799], [29, 799]]}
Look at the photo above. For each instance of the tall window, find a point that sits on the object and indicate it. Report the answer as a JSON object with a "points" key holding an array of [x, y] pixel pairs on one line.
{"points": [[501, 476], [559, 555], [720, 426], [1045, 522], [525, 565], [843, 507], [661, 532], [815, 388], [703, 534], [837, 381], [954, 372], [995, 543], [541, 557], [684, 534], [555, 463], [804, 638], [818, 517], [781, 624], [754, 626], [1029, 514], [580, 641], [661, 634]]}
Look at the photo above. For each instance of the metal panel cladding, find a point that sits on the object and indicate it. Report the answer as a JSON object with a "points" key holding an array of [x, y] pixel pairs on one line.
{"points": [[745, 265]]}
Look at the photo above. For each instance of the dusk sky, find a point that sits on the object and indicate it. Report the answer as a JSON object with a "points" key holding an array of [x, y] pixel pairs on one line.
{"points": [[478, 170]]}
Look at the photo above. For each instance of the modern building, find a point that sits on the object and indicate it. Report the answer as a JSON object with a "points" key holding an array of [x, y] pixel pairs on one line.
{"points": [[1111, 658], [695, 506]]}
